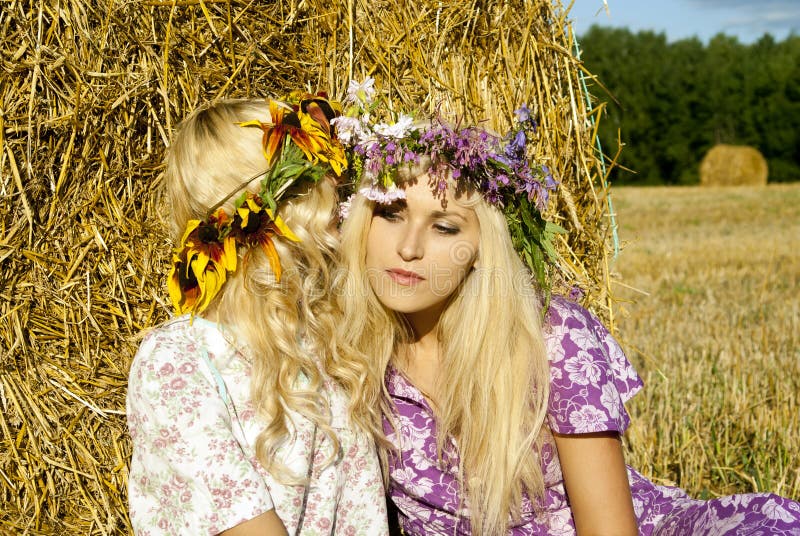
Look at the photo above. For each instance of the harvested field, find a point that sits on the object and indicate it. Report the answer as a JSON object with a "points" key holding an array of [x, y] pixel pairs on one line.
{"points": [[717, 338]]}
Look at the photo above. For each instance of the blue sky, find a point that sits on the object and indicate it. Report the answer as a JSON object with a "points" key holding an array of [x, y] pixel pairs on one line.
{"points": [[746, 19]]}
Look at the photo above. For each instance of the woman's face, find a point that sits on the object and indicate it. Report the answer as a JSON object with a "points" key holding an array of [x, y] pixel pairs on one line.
{"points": [[419, 250]]}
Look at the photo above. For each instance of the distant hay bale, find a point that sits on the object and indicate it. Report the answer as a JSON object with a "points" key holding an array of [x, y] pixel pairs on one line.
{"points": [[90, 93], [733, 165]]}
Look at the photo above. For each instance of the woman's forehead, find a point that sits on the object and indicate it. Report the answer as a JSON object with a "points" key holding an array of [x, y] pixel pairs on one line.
{"points": [[422, 194]]}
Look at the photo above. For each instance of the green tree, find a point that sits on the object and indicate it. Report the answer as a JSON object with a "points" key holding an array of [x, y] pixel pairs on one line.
{"points": [[671, 102]]}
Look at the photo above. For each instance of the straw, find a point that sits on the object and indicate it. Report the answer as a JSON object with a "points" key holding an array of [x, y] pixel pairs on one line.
{"points": [[90, 94]]}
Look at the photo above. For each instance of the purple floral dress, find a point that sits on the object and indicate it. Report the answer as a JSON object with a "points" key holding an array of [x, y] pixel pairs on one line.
{"points": [[591, 379]]}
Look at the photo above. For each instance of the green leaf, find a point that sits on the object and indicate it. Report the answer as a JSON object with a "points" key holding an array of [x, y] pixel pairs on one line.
{"points": [[266, 197], [547, 245], [550, 227], [240, 200]]}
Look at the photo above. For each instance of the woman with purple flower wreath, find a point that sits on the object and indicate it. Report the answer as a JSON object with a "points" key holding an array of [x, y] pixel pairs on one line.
{"points": [[498, 419]]}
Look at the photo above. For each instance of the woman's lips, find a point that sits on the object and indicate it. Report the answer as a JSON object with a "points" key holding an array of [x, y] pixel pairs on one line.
{"points": [[404, 277]]}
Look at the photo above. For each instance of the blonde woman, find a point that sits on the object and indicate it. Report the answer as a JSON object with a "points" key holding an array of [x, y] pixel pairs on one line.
{"points": [[498, 420], [247, 414]]}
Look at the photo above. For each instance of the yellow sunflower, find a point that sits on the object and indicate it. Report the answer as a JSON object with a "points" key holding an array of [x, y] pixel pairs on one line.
{"points": [[201, 264], [309, 130], [254, 224]]}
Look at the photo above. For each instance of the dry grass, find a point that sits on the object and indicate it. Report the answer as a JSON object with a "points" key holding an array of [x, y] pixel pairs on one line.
{"points": [[90, 93], [717, 339]]}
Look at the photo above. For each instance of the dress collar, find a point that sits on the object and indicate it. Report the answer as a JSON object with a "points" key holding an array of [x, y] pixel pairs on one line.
{"points": [[400, 387]]}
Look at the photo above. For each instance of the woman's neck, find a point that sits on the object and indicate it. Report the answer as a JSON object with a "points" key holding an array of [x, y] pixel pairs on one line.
{"points": [[421, 360]]}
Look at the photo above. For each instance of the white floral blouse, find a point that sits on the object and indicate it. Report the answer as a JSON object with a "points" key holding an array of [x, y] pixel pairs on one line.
{"points": [[194, 469]]}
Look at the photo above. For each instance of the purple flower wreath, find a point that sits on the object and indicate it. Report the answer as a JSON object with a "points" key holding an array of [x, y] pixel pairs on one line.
{"points": [[499, 167]]}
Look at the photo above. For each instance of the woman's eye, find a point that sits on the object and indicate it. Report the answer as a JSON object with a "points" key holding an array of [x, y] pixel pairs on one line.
{"points": [[446, 229], [388, 214]]}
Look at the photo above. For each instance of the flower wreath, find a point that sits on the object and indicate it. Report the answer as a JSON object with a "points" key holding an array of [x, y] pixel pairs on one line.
{"points": [[308, 136], [501, 168], [299, 145]]}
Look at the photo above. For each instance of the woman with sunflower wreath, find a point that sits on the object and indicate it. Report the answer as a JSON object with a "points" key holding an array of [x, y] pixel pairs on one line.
{"points": [[247, 414]]}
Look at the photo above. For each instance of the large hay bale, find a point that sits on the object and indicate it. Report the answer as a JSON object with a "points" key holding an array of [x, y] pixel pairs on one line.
{"points": [[733, 165], [90, 93]]}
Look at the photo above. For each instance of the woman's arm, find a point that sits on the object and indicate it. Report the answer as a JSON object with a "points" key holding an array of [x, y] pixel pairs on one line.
{"points": [[596, 481], [267, 524]]}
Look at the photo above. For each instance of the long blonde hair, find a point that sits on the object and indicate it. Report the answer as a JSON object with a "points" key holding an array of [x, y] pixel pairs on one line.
{"points": [[287, 328], [494, 380]]}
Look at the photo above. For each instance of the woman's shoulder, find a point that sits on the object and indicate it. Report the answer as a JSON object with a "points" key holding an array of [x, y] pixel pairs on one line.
{"points": [[176, 335], [566, 321], [563, 312], [181, 327], [179, 343], [590, 375], [570, 329]]}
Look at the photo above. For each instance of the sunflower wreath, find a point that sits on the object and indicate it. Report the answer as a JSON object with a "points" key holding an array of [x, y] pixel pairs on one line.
{"points": [[299, 145]]}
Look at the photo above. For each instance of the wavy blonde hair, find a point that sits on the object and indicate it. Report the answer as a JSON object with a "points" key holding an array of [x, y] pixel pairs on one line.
{"points": [[288, 328], [494, 381]]}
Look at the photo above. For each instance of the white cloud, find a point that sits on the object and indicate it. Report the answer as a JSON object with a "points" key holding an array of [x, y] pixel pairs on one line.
{"points": [[754, 4], [755, 17]]}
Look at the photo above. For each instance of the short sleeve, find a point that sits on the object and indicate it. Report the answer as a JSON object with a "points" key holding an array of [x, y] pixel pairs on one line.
{"points": [[590, 377], [189, 474]]}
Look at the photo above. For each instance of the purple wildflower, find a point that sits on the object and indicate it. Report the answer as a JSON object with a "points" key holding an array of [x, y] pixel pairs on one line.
{"points": [[541, 201], [535, 191], [373, 166], [515, 150], [374, 160], [520, 140], [493, 198], [523, 113], [575, 293], [549, 182]]}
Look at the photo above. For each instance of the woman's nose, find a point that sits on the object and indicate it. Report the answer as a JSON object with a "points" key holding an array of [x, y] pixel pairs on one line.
{"points": [[409, 246]]}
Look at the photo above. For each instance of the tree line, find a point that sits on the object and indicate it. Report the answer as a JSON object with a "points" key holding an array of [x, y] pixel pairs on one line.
{"points": [[672, 102]]}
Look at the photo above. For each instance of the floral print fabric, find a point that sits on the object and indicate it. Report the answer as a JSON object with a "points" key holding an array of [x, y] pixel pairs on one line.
{"points": [[193, 427], [591, 379]]}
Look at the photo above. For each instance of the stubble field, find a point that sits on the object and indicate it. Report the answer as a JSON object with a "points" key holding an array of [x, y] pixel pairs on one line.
{"points": [[710, 317]]}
